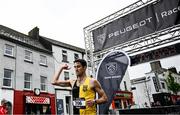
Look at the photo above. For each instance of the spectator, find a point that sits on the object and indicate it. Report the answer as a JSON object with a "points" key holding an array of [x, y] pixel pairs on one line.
{"points": [[178, 101], [157, 103], [3, 109], [146, 105], [152, 104]]}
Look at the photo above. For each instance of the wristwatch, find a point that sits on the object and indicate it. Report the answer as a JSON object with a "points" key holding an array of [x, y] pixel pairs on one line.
{"points": [[95, 102]]}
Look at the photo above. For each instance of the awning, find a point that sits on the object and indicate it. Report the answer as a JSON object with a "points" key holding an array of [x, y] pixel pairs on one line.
{"points": [[37, 100]]}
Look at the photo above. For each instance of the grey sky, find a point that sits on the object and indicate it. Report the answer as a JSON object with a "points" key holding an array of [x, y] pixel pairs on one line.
{"points": [[62, 20]]}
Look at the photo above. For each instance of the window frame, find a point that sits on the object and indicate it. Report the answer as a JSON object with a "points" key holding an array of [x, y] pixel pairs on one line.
{"points": [[66, 77], [26, 81], [163, 85], [8, 50], [64, 56], [43, 84], [30, 56], [43, 62], [8, 78], [76, 56]]}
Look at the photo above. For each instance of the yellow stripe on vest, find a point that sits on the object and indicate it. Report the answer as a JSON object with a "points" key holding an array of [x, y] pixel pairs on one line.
{"points": [[87, 92]]}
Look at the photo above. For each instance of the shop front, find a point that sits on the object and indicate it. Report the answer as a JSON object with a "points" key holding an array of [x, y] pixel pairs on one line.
{"points": [[37, 105], [32, 102], [122, 100]]}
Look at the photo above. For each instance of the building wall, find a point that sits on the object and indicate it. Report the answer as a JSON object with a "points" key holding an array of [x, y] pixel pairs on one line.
{"points": [[162, 79], [33, 68], [64, 93], [126, 79], [18, 66], [6, 63], [146, 88], [66, 97], [57, 53], [140, 94], [151, 84]]}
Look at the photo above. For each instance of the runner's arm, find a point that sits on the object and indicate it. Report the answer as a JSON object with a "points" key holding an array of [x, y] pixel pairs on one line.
{"points": [[103, 97], [57, 81]]}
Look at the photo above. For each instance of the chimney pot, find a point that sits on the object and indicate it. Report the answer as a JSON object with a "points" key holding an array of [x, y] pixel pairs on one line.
{"points": [[34, 33]]}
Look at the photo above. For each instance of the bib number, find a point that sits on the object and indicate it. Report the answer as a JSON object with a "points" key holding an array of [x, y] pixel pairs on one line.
{"points": [[79, 103]]}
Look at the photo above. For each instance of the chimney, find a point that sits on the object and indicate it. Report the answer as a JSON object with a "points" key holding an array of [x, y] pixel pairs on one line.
{"points": [[156, 66], [172, 69], [34, 33]]}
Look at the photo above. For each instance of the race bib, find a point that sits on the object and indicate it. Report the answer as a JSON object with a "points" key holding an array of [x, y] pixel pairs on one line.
{"points": [[79, 103]]}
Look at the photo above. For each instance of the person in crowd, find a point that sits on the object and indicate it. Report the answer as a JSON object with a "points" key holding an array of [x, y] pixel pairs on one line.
{"points": [[146, 105], [3, 109], [178, 101], [84, 89], [157, 103]]}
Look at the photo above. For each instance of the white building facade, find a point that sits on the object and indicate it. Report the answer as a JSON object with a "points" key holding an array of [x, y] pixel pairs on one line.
{"points": [[26, 65], [154, 82], [65, 54]]}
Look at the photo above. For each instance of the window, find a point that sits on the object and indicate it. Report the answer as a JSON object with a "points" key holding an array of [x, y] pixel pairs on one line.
{"points": [[8, 50], [64, 56], [66, 75], [27, 80], [7, 80], [28, 56], [76, 56], [125, 86], [175, 79], [163, 85], [43, 60], [43, 83]]}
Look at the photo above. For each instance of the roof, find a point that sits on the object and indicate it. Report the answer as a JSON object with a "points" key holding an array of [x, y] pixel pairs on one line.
{"points": [[20, 38], [64, 45], [42, 43]]}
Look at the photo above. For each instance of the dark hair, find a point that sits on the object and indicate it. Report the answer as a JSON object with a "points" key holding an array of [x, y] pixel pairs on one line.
{"points": [[82, 61]]}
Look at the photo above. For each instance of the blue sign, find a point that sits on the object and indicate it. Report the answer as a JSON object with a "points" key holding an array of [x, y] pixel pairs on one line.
{"points": [[60, 106]]}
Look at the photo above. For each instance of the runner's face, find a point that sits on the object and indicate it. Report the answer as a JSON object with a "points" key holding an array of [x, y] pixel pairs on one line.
{"points": [[79, 69]]}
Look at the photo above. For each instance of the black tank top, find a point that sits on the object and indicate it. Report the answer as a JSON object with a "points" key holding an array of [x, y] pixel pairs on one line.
{"points": [[75, 94]]}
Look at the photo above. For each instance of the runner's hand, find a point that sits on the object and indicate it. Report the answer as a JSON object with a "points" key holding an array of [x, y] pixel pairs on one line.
{"points": [[66, 67], [90, 103]]}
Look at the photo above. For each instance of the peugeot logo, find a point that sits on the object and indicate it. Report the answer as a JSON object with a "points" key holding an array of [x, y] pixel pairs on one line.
{"points": [[101, 38], [111, 68]]}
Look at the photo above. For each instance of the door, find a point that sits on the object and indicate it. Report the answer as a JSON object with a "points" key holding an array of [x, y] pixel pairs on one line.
{"points": [[68, 105]]}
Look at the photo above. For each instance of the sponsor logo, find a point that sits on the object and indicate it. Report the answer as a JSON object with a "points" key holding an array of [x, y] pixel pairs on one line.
{"points": [[111, 68], [85, 88], [101, 38]]}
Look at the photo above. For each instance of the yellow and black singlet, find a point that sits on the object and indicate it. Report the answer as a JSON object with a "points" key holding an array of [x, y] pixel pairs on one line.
{"points": [[86, 92]]}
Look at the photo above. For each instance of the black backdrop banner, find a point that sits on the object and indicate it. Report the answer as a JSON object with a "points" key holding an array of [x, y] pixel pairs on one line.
{"points": [[160, 53], [110, 73], [148, 19]]}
